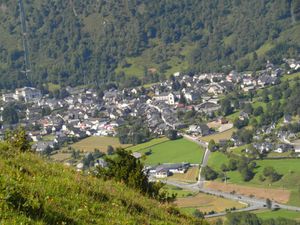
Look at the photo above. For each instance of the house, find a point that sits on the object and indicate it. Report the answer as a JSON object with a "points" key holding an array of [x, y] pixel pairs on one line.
{"points": [[165, 170], [41, 146], [169, 98], [100, 162], [281, 148], [162, 173], [297, 148], [287, 118], [201, 129], [137, 155], [215, 88], [243, 116], [266, 79], [207, 107], [28, 94], [9, 97]]}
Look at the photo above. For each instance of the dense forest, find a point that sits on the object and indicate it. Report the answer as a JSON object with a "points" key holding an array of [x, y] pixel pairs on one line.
{"points": [[83, 42]]}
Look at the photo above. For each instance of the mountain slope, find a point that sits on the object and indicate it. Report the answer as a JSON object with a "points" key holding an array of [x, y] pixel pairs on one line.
{"points": [[83, 42], [33, 191]]}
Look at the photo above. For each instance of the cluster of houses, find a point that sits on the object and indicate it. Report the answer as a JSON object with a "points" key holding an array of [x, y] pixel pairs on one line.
{"points": [[83, 112]]}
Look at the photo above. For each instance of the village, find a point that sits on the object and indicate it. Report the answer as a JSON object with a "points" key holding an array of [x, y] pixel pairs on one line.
{"points": [[52, 123]]}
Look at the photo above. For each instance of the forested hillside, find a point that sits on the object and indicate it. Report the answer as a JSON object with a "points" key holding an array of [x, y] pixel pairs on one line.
{"points": [[94, 42]]}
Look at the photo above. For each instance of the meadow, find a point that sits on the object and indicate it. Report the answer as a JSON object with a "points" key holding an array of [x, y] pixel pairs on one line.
{"points": [[288, 168], [267, 214], [89, 144], [206, 203], [177, 151], [226, 135]]}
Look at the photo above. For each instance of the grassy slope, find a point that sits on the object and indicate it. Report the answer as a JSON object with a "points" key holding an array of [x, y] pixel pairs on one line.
{"points": [[177, 151], [145, 60], [53, 194]]}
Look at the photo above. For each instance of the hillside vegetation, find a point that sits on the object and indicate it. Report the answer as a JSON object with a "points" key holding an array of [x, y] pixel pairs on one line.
{"points": [[95, 42], [34, 191]]}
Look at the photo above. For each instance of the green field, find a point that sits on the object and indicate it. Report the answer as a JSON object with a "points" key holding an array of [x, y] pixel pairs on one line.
{"points": [[289, 168], [216, 159], [278, 214], [148, 144], [178, 191], [177, 151], [89, 144]]}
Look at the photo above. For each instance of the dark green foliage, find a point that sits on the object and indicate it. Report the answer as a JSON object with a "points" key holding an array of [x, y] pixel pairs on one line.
{"points": [[134, 131], [226, 107], [18, 140], [10, 115], [212, 146], [209, 173], [244, 135], [198, 214], [271, 173], [82, 42], [127, 169], [238, 123], [172, 134], [258, 111]]}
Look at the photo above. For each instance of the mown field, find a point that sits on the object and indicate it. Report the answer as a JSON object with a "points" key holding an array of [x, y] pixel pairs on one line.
{"points": [[282, 213], [226, 135], [89, 144], [177, 151], [190, 176], [206, 203], [288, 168], [148, 144]]}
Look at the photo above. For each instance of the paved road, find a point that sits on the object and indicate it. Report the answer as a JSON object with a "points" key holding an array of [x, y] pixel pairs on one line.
{"points": [[252, 203]]}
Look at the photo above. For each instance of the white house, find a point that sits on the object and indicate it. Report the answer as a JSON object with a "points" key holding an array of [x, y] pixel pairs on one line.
{"points": [[28, 94]]}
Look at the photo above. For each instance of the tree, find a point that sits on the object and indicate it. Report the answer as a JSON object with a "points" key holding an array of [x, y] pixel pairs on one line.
{"points": [[248, 108], [127, 169], [10, 115], [172, 134], [226, 107], [18, 140], [212, 146], [271, 173], [198, 214], [258, 111], [182, 99], [232, 164], [269, 203], [224, 168], [110, 150], [209, 173], [265, 96]]}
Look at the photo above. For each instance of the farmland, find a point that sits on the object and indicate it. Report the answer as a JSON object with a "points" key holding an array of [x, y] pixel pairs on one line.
{"points": [[89, 144], [177, 151], [226, 135], [206, 203], [148, 144], [190, 176], [288, 168], [264, 214]]}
